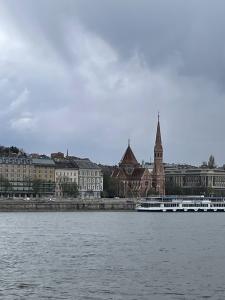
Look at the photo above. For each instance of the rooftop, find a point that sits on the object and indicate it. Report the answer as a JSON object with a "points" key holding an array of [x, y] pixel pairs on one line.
{"points": [[85, 164], [43, 161], [65, 164]]}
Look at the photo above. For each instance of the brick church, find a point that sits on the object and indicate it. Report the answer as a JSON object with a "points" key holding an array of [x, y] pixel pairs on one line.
{"points": [[135, 180]]}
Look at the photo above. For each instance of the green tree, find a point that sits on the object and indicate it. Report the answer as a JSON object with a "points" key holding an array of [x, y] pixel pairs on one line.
{"points": [[172, 189], [110, 186], [152, 192], [69, 189], [14, 149], [5, 185], [37, 186]]}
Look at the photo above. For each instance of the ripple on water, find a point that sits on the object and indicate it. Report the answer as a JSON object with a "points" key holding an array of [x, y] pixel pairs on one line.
{"points": [[111, 256]]}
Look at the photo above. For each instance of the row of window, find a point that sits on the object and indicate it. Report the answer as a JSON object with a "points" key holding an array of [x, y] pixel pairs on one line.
{"points": [[89, 173], [62, 173], [15, 161], [91, 187], [26, 170], [90, 180], [184, 205]]}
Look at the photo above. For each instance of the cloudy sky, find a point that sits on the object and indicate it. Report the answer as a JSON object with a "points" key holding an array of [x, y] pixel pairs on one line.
{"points": [[89, 74]]}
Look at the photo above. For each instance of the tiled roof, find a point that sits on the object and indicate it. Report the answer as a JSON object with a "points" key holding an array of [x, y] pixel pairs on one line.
{"points": [[129, 158], [138, 173], [119, 173]]}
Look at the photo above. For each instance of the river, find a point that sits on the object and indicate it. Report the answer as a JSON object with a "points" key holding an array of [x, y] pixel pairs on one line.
{"points": [[112, 255]]}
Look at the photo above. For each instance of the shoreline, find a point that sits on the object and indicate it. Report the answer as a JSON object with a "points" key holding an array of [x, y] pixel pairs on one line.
{"points": [[66, 205]]}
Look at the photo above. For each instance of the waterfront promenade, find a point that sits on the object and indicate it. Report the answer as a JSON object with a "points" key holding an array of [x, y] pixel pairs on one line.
{"points": [[33, 205]]}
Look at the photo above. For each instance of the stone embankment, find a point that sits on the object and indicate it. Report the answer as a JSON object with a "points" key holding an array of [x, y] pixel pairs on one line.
{"points": [[34, 205]]}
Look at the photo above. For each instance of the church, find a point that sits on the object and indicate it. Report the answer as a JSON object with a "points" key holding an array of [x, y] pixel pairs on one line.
{"points": [[134, 180]]}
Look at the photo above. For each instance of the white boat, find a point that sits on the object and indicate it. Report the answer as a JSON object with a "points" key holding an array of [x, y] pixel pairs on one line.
{"points": [[181, 204]]}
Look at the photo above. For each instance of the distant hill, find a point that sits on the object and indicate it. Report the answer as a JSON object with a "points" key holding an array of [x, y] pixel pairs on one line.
{"points": [[11, 151]]}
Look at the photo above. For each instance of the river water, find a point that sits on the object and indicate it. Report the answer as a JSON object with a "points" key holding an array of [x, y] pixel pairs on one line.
{"points": [[112, 255]]}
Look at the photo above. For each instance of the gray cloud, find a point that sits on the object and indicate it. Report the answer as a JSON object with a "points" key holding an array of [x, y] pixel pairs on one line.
{"points": [[90, 74]]}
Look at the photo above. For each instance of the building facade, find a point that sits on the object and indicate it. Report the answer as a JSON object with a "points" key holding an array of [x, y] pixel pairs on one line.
{"points": [[26, 177], [43, 180], [90, 179], [16, 176], [192, 180], [132, 179], [66, 177]]}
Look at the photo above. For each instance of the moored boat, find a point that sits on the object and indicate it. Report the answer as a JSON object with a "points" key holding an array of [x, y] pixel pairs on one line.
{"points": [[181, 204]]}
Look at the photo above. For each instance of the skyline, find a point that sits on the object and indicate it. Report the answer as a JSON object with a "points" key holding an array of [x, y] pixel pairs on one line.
{"points": [[88, 77]]}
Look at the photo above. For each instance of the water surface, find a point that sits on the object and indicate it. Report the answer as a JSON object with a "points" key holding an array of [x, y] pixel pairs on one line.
{"points": [[112, 255]]}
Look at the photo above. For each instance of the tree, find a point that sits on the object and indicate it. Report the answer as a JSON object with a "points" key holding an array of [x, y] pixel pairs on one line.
{"points": [[9, 151], [37, 186], [172, 189], [211, 162], [14, 149], [152, 192], [69, 189], [110, 186], [5, 185]]}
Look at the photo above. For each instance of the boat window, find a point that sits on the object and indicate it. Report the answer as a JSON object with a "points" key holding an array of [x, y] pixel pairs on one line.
{"points": [[171, 205]]}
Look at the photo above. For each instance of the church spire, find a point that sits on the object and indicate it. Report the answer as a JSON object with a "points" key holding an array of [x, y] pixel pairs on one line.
{"points": [[158, 139], [158, 171]]}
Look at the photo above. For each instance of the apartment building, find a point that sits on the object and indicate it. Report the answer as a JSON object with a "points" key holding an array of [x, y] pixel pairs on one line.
{"points": [[90, 178], [66, 174], [26, 177], [43, 177]]}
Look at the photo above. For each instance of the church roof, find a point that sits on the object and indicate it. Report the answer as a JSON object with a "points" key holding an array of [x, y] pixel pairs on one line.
{"points": [[129, 158], [138, 173], [118, 173]]}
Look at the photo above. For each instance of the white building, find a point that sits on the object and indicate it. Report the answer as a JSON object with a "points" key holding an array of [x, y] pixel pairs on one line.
{"points": [[90, 179], [65, 172]]}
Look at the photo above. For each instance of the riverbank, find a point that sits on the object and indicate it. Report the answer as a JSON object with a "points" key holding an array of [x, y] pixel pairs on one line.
{"points": [[34, 205]]}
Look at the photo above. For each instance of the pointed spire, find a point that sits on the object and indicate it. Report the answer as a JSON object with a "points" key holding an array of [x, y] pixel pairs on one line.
{"points": [[67, 153], [158, 140], [158, 171]]}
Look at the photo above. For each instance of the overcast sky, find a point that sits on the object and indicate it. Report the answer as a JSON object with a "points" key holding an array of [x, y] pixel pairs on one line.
{"points": [[89, 74]]}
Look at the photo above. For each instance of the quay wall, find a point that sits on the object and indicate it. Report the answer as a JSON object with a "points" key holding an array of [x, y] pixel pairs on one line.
{"points": [[7, 205]]}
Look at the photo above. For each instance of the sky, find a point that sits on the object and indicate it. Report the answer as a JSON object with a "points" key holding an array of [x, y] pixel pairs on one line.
{"points": [[87, 75]]}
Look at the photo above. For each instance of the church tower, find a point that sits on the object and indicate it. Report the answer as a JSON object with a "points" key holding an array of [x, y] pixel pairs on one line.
{"points": [[158, 171]]}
